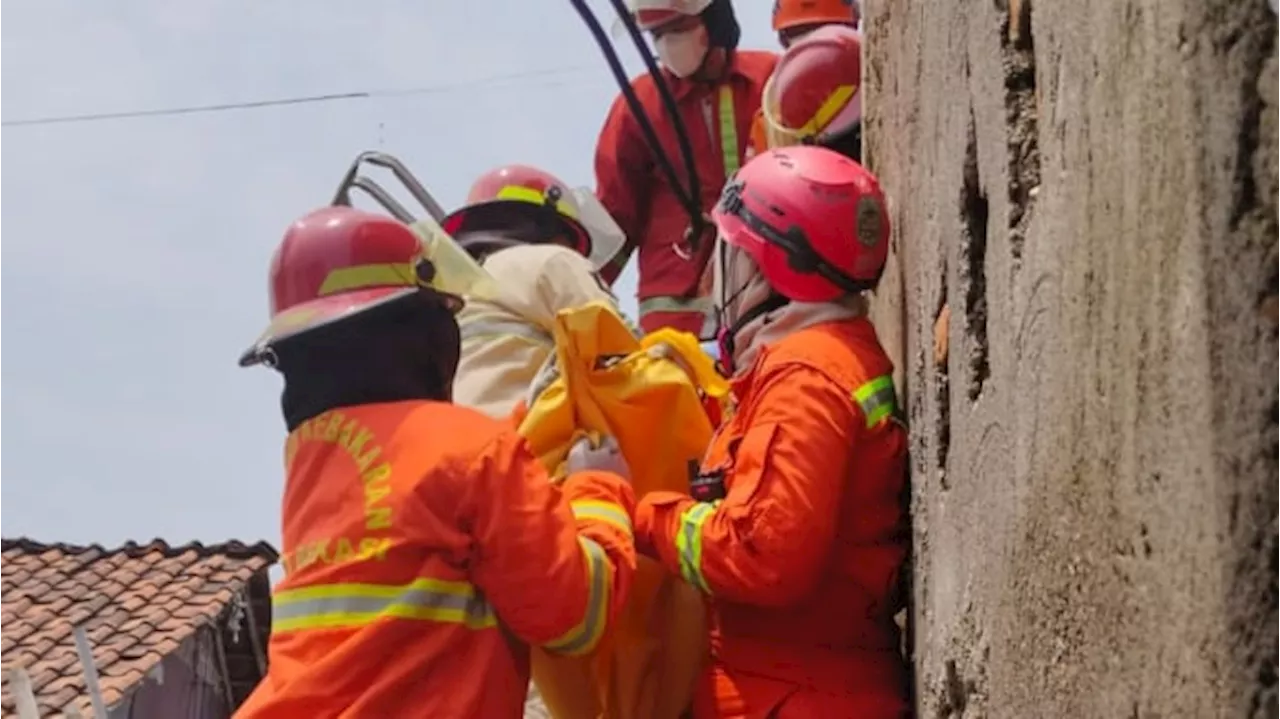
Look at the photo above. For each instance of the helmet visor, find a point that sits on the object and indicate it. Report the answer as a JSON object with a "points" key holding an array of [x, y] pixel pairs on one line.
{"points": [[607, 238], [456, 272], [837, 113]]}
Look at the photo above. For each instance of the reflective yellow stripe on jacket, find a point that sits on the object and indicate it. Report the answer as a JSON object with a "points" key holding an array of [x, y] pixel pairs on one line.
{"points": [[728, 132], [689, 544], [329, 606], [876, 399], [700, 305], [585, 635], [600, 511]]}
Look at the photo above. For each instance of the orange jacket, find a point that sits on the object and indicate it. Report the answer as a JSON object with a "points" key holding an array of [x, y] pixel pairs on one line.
{"points": [[633, 189], [424, 550], [802, 556]]}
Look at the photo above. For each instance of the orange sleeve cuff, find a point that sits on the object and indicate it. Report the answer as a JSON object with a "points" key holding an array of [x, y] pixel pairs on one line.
{"points": [[657, 521]]}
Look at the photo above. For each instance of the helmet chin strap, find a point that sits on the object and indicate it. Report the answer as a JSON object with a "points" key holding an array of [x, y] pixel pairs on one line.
{"points": [[773, 302]]}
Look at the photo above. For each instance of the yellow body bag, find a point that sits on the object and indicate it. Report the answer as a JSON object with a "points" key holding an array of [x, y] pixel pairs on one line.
{"points": [[643, 393]]}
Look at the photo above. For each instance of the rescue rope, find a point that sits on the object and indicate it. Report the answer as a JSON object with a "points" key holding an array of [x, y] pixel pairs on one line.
{"points": [[690, 199]]}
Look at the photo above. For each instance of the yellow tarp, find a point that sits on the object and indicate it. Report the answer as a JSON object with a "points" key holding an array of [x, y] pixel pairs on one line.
{"points": [[644, 393]]}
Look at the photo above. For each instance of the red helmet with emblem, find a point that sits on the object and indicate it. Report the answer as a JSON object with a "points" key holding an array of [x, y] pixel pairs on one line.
{"points": [[524, 203], [338, 262], [813, 220], [813, 95]]}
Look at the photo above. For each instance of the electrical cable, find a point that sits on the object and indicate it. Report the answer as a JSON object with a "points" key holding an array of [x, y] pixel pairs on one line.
{"points": [[278, 102], [694, 204], [690, 201]]}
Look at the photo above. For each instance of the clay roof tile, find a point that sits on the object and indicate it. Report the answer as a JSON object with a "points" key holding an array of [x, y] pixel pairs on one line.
{"points": [[138, 604]]}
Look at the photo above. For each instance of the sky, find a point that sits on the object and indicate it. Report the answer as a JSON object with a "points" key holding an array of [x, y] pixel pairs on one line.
{"points": [[134, 252]]}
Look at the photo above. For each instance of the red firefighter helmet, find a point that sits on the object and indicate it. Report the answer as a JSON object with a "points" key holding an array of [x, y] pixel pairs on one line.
{"points": [[813, 220], [535, 204], [335, 263], [792, 16], [813, 94]]}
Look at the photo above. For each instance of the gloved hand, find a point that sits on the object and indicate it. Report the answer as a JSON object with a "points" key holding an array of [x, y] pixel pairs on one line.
{"points": [[605, 457]]}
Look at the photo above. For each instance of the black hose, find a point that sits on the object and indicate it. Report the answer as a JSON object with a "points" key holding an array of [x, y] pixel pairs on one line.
{"points": [[668, 105], [691, 199]]}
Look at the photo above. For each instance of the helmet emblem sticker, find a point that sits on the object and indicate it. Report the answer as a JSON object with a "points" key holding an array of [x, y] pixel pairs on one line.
{"points": [[870, 221]]}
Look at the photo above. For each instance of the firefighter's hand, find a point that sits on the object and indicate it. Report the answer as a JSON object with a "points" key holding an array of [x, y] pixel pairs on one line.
{"points": [[584, 456]]}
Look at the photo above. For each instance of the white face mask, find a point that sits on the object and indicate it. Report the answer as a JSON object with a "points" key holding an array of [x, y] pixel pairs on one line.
{"points": [[683, 52]]}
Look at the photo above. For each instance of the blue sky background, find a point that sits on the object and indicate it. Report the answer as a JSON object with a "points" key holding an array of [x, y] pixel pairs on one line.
{"points": [[135, 251]]}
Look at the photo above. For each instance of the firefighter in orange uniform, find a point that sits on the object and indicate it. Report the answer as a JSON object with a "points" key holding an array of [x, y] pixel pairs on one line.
{"points": [[795, 527], [794, 20], [717, 91], [424, 547]]}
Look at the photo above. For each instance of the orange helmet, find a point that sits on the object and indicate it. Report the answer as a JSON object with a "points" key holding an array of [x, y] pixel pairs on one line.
{"points": [[790, 16], [335, 263], [522, 202], [813, 95]]}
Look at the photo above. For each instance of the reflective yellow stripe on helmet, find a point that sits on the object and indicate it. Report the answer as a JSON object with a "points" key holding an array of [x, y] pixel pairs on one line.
{"points": [[830, 107], [877, 399], [331, 606], [584, 636], [361, 277], [528, 194]]}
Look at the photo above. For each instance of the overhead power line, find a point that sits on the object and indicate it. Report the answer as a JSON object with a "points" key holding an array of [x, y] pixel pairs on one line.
{"points": [[282, 101], [91, 117]]}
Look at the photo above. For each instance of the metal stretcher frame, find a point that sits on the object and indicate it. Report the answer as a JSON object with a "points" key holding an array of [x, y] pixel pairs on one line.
{"points": [[354, 180]]}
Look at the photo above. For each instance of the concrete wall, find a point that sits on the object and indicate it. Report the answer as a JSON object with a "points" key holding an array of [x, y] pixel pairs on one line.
{"points": [[1090, 186]]}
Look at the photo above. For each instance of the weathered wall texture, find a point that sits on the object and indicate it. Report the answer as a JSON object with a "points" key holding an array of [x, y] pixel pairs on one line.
{"points": [[1092, 190]]}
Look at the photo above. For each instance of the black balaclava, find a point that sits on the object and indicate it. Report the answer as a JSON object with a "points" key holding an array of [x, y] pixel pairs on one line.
{"points": [[722, 25], [406, 349], [486, 230]]}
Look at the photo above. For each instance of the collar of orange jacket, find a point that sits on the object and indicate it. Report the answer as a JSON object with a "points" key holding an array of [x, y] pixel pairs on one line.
{"points": [[742, 382]]}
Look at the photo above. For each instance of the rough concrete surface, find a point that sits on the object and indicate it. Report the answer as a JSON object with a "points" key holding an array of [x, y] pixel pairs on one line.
{"points": [[1090, 188]]}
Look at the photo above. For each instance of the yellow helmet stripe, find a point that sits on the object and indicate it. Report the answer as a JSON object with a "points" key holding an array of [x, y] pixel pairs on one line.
{"points": [[830, 107], [362, 277], [528, 194]]}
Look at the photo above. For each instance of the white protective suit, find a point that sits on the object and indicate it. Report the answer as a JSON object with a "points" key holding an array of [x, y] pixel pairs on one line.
{"points": [[506, 341]]}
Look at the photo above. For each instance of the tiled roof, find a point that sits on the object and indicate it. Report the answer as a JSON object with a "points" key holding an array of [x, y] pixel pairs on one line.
{"points": [[137, 604]]}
